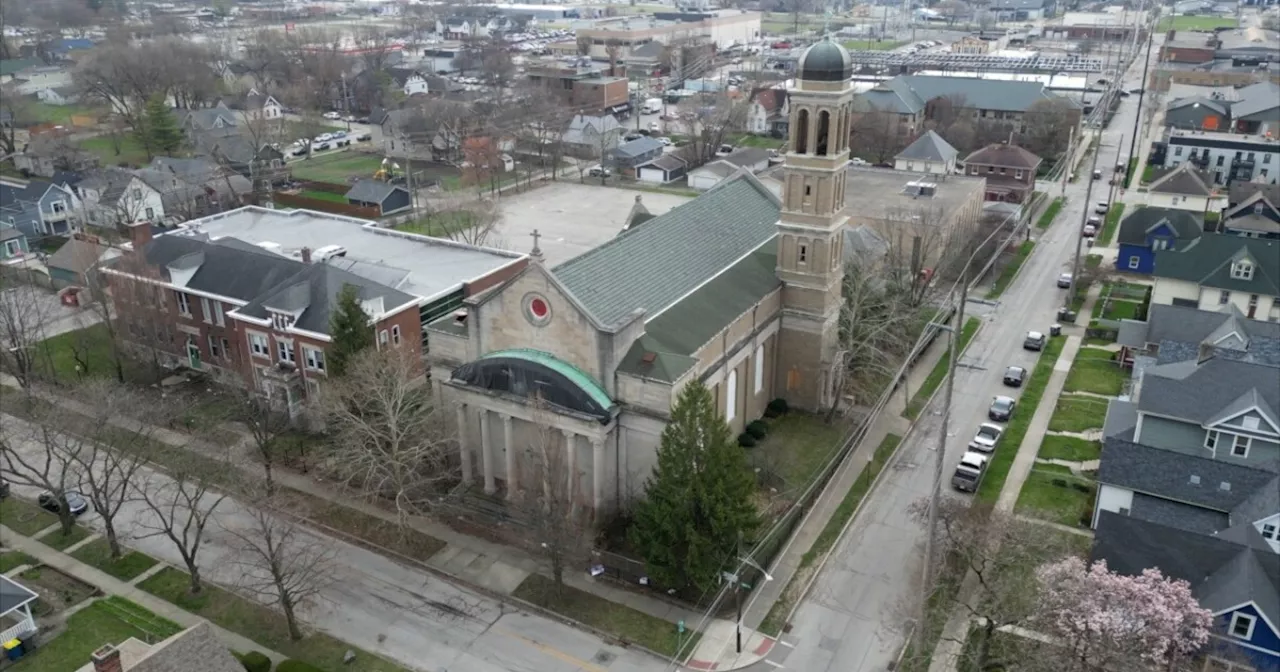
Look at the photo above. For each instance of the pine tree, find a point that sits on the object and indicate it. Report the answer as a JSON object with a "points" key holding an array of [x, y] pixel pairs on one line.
{"points": [[698, 500], [160, 128], [350, 329]]}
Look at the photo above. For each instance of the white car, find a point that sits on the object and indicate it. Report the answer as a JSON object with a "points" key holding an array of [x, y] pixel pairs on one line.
{"points": [[666, 142], [986, 438], [1064, 281], [858, 162], [324, 137], [655, 127], [332, 115]]}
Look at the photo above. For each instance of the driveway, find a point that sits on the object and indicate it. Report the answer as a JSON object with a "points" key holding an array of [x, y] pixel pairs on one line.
{"points": [[426, 624], [37, 306]]}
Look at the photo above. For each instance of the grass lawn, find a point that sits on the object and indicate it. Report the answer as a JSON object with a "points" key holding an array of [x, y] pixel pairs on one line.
{"points": [[127, 567], [259, 623], [24, 517], [12, 559], [113, 619], [323, 196], [1193, 23], [1050, 212], [66, 355], [871, 45], [1010, 270], [336, 167], [1111, 224], [56, 539], [939, 372], [1033, 390], [1115, 309], [1093, 371], [616, 619], [131, 151], [1069, 448], [1078, 414], [1057, 502], [797, 446], [59, 114], [761, 141]]}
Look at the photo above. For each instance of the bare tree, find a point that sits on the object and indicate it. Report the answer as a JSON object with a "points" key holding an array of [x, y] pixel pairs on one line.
{"points": [[282, 563], [181, 504], [392, 441], [876, 135], [266, 425], [551, 514], [37, 455], [1047, 126], [876, 320], [918, 243], [23, 318], [463, 220]]}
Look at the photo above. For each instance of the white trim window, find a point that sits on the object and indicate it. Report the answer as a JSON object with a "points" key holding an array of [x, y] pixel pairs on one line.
{"points": [[1211, 439], [314, 358], [214, 351], [731, 396], [259, 346], [284, 349], [1240, 446], [12, 247], [1242, 270], [395, 334], [382, 338], [1241, 626], [206, 312], [218, 317], [184, 303], [759, 369], [1134, 262]]}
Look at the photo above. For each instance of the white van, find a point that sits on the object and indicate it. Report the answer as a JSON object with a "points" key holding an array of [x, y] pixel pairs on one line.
{"points": [[651, 106]]}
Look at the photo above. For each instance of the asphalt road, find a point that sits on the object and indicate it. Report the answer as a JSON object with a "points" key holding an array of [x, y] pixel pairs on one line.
{"points": [[428, 624], [854, 619]]}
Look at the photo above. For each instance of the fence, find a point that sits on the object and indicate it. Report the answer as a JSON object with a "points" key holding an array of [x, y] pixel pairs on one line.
{"points": [[308, 203], [326, 187]]}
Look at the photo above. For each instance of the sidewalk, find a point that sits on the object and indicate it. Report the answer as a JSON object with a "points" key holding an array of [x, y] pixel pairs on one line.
{"points": [[469, 560], [113, 586], [717, 650]]}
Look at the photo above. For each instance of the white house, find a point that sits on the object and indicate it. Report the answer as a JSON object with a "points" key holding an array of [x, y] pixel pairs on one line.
{"points": [[1185, 188], [257, 106], [1221, 269], [930, 153], [768, 112], [58, 95], [120, 197], [410, 81]]}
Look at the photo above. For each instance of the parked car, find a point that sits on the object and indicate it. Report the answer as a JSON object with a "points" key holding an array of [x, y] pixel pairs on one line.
{"points": [[4, 488], [1097, 174], [664, 140], [724, 150], [1035, 340], [1014, 376], [332, 115], [1101, 207], [1090, 231], [76, 503], [320, 146], [364, 137], [598, 171], [858, 162], [655, 127], [1001, 408], [969, 472], [986, 438], [1064, 281]]}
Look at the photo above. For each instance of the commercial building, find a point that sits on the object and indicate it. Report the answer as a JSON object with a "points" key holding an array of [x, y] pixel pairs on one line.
{"points": [[1228, 157], [588, 89], [721, 27]]}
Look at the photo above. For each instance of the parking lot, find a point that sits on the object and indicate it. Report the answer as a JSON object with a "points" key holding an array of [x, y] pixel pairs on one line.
{"points": [[571, 218]]}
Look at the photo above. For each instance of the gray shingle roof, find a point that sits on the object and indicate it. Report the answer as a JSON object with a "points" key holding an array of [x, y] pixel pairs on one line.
{"points": [[314, 292], [1167, 474], [1176, 514], [908, 94], [1198, 392], [748, 156], [929, 147], [13, 595], [649, 267], [196, 647], [1207, 262], [372, 191], [1183, 179], [1180, 331], [1216, 105], [639, 146], [1257, 98], [1186, 225]]}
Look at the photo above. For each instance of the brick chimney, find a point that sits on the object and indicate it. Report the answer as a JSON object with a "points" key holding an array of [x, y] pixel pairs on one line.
{"points": [[306, 255], [106, 659], [140, 234]]}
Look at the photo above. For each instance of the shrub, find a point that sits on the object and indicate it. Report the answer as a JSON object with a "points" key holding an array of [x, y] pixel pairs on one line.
{"points": [[1060, 482], [297, 666], [746, 440], [775, 408], [1086, 518], [254, 661], [758, 429]]}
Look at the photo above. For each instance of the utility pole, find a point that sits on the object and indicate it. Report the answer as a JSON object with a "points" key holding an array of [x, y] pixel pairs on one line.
{"points": [[1111, 193], [1142, 92], [1084, 218], [1070, 156]]}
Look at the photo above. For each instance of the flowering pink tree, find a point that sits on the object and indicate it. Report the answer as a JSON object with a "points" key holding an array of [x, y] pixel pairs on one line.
{"points": [[1112, 621]]}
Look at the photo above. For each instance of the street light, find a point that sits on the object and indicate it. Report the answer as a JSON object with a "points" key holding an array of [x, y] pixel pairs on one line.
{"points": [[736, 580]]}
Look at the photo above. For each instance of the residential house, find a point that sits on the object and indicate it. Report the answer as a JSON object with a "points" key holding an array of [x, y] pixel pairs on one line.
{"points": [[411, 82], [39, 208], [14, 247], [1221, 269], [115, 197], [591, 137], [627, 156], [585, 86], [1240, 192], [240, 296], [209, 186], [911, 100], [45, 155], [16, 619], [253, 106], [58, 95], [388, 198], [1182, 333], [470, 27], [929, 153], [768, 112], [200, 119], [1229, 157], [1145, 231], [11, 69], [751, 159], [37, 78], [1255, 217], [196, 648], [1186, 188], [77, 259], [1198, 113], [1010, 171], [663, 170], [253, 158]]}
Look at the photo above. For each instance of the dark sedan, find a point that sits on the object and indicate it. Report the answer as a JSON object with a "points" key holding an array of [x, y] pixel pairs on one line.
{"points": [[1014, 376], [1001, 409], [76, 503]]}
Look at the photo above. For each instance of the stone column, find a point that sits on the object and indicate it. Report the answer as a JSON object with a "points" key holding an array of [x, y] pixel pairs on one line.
{"points": [[512, 486], [597, 474], [571, 459], [462, 443], [486, 452]]}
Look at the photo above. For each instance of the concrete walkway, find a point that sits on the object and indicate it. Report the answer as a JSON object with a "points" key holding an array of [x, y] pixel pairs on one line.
{"points": [[112, 586]]}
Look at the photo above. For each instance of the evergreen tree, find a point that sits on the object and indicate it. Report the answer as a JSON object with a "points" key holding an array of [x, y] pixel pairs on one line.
{"points": [[159, 132], [698, 500], [350, 329]]}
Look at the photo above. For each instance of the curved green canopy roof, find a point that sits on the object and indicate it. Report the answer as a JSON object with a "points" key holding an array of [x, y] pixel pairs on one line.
{"points": [[577, 376]]}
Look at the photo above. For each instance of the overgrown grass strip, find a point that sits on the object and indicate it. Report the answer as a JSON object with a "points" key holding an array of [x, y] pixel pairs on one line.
{"points": [[939, 372], [1049, 214], [1011, 269], [1111, 225]]}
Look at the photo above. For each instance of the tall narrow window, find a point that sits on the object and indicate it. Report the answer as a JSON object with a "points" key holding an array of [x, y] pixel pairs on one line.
{"points": [[802, 132], [759, 369], [802, 253], [824, 131], [731, 396]]}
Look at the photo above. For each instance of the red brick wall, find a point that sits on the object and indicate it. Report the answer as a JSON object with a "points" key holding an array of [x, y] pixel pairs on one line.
{"points": [[495, 278]]}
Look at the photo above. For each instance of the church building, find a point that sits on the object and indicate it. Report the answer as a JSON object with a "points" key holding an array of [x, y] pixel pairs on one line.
{"points": [[737, 288]]}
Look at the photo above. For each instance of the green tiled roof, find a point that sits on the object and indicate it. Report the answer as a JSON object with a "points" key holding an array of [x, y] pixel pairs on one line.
{"points": [[652, 266], [14, 65], [687, 325], [577, 376], [1208, 262]]}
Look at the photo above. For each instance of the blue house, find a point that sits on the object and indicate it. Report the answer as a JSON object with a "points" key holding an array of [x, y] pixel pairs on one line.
{"points": [[13, 244], [1254, 217], [39, 208], [1147, 230]]}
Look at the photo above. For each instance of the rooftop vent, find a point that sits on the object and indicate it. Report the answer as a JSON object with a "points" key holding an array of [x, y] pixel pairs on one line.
{"points": [[1224, 486], [649, 357], [916, 189], [460, 317], [1195, 480]]}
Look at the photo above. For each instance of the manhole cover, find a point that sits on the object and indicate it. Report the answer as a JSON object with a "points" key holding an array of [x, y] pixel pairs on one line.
{"points": [[604, 657]]}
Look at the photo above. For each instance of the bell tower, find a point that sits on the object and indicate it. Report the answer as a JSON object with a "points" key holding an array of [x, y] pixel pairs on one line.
{"points": [[811, 227]]}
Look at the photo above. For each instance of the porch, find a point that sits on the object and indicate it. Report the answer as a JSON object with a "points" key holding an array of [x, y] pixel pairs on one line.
{"points": [[16, 620]]}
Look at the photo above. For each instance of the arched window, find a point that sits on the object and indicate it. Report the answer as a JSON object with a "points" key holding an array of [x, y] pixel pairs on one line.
{"points": [[824, 130], [731, 396], [801, 132]]}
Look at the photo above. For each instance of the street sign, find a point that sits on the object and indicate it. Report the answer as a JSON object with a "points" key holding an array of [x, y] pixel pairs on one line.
{"points": [[729, 577], [680, 626]]}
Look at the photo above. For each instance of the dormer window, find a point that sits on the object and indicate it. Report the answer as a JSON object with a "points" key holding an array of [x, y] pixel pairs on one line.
{"points": [[1257, 208], [281, 321], [1242, 270], [1241, 626]]}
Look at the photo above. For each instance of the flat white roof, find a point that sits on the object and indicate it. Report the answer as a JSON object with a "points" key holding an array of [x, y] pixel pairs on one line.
{"points": [[432, 266]]}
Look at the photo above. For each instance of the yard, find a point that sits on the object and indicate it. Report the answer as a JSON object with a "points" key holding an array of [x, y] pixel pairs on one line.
{"points": [[323, 195], [1016, 430], [1195, 23], [131, 151], [110, 620], [346, 167], [24, 517], [73, 354], [1069, 449], [439, 224], [128, 566], [797, 446], [761, 141], [871, 45], [1051, 492], [58, 114], [1078, 414], [939, 372], [1094, 371]]}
